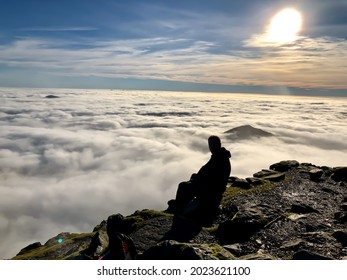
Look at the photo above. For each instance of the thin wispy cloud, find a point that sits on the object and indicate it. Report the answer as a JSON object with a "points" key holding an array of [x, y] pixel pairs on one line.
{"points": [[58, 29], [307, 62]]}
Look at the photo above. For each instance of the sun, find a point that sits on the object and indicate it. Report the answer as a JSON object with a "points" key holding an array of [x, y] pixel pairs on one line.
{"points": [[284, 26]]}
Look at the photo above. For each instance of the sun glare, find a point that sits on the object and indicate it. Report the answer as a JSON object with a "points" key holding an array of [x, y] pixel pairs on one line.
{"points": [[284, 26]]}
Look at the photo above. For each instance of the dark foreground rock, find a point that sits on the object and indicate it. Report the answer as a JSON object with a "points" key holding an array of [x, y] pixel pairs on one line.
{"points": [[290, 211]]}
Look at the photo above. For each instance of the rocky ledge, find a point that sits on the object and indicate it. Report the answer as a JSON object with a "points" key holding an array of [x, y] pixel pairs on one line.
{"points": [[289, 211]]}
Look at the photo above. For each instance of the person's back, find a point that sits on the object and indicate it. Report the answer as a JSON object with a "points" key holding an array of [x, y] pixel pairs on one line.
{"points": [[213, 177]]}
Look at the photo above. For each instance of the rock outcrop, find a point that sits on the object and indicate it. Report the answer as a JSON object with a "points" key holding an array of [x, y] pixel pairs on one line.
{"points": [[290, 211]]}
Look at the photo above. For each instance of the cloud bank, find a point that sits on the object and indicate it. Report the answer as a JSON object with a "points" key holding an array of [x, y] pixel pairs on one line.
{"points": [[67, 163]]}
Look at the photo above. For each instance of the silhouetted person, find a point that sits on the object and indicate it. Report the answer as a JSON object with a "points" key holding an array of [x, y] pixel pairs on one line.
{"points": [[203, 192]]}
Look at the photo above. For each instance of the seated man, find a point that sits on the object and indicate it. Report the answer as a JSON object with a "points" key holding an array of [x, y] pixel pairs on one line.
{"points": [[205, 188]]}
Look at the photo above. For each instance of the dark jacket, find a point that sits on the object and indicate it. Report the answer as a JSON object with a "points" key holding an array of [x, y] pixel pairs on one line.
{"points": [[212, 178]]}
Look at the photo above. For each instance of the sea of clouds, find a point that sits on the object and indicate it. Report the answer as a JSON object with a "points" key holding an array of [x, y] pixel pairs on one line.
{"points": [[67, 163]]}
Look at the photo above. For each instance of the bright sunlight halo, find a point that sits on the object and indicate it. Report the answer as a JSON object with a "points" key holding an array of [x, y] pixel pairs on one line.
{"points": [[284, 26]]}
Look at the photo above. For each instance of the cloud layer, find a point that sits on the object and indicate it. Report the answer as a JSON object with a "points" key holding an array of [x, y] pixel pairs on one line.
{"points": [[68, 163], [307, 62]]}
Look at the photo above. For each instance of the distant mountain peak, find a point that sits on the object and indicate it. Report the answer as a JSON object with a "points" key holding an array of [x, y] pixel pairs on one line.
{"points": [[246, 132]]}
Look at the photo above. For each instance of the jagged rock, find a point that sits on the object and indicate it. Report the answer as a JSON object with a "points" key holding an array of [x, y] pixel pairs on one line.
{"points": [[312, 225], [254, 181], [340, 174], [315, 174], [242, 226], [232, 179], [29, 248], [292, 244], [241, 183], [319, 237], [257, 256], [341, 236], [285, 165], [101, 226], [307, 255], [341, 216], [234, 249], [275, 177], [302, 209], [151, 232], [329, 190], [343, 206], [173, 250], [264, 173]]}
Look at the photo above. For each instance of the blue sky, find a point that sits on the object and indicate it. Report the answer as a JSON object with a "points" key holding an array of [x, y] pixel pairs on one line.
{"points": [[172, 45]]}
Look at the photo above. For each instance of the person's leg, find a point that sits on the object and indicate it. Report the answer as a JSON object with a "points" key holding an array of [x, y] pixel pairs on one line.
{"points": [[185, 193]]}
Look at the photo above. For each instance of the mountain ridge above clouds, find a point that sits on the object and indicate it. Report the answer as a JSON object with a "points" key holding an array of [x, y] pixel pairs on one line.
{"points": [[290, 211]]}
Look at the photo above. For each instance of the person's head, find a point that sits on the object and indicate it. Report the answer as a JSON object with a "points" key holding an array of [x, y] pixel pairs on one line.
{"points": [[214, 143]]}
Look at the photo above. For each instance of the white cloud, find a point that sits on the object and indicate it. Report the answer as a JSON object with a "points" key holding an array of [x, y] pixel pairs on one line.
{"points": [[68, 163]]}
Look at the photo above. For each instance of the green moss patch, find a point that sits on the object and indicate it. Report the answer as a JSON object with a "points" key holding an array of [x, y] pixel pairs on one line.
{"points": [[63, 246]]}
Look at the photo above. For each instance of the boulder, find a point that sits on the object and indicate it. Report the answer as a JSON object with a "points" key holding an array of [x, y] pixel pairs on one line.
{"points": [[241, 183], [254, 181], [340, 174], [242, 226], [315, 174], [264, 173], [285, 165], [341, 236], [275, 177], [151, 232]]}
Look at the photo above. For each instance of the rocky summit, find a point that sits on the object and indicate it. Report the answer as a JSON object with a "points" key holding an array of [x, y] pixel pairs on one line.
{"points": [[290, 211]]}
